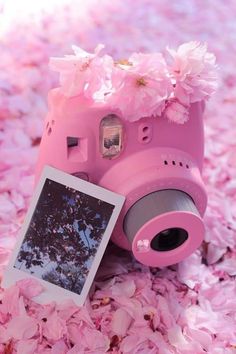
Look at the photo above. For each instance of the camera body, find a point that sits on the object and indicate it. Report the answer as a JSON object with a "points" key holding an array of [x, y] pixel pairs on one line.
{"points": [[154, 163]]}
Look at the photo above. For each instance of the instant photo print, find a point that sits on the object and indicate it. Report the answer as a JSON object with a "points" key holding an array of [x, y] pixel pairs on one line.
{"points": [[64, 236]]}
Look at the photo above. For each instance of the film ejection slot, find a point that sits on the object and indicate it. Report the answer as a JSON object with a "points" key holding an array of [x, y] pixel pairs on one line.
{"points": [[111, 136]]}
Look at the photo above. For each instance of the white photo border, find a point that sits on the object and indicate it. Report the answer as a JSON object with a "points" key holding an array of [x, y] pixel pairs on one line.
{"points": [[56, 293]]}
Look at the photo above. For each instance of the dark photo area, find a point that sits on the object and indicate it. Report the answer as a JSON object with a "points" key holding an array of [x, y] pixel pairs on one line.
{"points": [[63, 236]]}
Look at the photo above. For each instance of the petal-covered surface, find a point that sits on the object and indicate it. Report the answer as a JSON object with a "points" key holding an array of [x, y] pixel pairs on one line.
{"points": [[184, 309], [22, 327]]}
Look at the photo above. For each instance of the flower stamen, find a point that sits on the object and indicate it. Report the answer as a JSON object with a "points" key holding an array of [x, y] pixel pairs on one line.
{"points": [[124, 62], [141, 82], [85, 65]]}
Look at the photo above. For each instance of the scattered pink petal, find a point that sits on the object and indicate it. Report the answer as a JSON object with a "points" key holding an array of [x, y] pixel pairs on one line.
{"points": [[27, 346], [22, 327], [29, 287], [126, 289], [59, 348], [121, 322], [228, 265], [95, 340], [199, 336], [54, 328], [10, 301], [4, 337], [67, 309]]}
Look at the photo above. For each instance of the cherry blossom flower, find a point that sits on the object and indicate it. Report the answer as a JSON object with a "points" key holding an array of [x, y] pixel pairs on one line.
{"points": [[194, 72], [82, 73], [141, 86]]}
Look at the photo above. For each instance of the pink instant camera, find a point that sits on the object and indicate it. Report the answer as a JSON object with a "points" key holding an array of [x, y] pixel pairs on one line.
{"points": [[135, 127], [154, 163]]}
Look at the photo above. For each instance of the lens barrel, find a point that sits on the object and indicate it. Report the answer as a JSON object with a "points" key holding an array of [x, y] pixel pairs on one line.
{"points": [[158, 203]]}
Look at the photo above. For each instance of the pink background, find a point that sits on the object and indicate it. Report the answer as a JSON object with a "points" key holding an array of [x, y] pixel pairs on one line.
{"points": [[187, 308]]}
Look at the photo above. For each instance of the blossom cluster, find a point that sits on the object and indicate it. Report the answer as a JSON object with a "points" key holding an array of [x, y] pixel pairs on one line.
{"points": [[144, 84]]}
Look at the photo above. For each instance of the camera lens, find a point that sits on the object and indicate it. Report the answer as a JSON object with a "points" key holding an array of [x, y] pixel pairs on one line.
{"points": [[163, 227], [169, 239], [160, 203]]}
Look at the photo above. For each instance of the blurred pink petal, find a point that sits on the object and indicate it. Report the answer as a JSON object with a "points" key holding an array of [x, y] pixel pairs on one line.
{"points": [[214, 253], [120, 322], [27, 346], [29, 287], [22, 327], [75, 350], [194, 70], [199, 336], [176, 112], [130, 342], [67, 309], [59, 348], [177, 339], [192, 272], [10, 301], [228, 265], [4, 256], [3, 335], [54, 327], [126, 289], [96, 340]]}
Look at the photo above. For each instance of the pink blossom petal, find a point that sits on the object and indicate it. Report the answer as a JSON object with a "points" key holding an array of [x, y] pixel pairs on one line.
{"points": [[214, 253], [4, 337], [22, 327], [59, 348], [54, 327], [126, 289], [228, 265], [27, 346], [130, 342], [121, 322], [177, 339], [75, 350], [67, 309], [199, 336], [29, 287], [10, 301], [99, 341], [177, 113]]}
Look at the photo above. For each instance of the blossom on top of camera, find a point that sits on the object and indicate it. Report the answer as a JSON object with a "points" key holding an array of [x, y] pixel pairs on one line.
{"points": [[141, 86], [193, 72], [83, 72], [176, 112]]}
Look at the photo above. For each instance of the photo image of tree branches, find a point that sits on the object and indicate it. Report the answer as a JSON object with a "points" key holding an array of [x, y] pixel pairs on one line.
{"points": [[63, 236]]}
